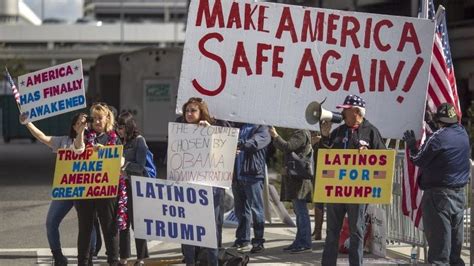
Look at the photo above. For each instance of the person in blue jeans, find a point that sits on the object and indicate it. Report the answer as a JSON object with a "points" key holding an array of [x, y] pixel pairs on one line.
{"points": [[247, 186], [356, 133], [444, 163], [297, 189], [58, 209]]}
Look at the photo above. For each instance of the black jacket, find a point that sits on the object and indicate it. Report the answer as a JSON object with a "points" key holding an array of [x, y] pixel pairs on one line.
{"points": [[293, 187], [344, 137]]}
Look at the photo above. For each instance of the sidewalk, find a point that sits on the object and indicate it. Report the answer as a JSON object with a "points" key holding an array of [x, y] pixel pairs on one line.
{"points": [[277, 237]]}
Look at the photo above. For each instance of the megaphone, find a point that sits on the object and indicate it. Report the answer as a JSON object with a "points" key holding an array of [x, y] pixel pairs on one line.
{"points": [[315, 113]]}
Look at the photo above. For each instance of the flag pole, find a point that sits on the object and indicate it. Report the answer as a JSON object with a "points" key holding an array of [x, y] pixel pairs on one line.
{"points": [[439, 14], [8, 74]]}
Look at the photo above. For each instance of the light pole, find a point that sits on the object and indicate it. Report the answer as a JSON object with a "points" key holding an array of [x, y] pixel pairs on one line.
{"points": [[121, 23]]}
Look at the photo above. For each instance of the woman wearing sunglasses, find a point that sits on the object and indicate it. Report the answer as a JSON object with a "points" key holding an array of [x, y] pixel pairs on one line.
{"points": [[195, 111], [58, 209]]}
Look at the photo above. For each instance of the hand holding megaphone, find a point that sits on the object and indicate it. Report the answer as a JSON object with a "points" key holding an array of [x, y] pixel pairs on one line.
{"points": [[315, 113]]}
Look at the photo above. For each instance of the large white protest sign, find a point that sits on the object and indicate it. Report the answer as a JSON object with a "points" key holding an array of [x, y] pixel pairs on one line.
{"points": [[52, 91], [264, 63], [173, 211], [201, 155]]}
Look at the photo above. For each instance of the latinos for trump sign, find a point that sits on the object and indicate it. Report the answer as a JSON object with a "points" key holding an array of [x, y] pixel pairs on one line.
{"points": [[173, 211], [201, 155], [90, 175], [52, 91], [353, 176], [265, 63]]}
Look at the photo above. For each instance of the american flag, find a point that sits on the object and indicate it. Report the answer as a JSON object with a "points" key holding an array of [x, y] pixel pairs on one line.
{"points": [[442, 88], [328, 174], [12, 85], [380, 175]]}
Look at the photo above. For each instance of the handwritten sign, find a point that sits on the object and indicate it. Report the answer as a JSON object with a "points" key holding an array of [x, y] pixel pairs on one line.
{"points": [[52, 91], [89, 175], [201, 155], [353, 176], [174, 211], [264, 63]]}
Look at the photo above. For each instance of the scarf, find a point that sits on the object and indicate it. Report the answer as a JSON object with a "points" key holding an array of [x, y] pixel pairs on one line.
{"points": [[122, 212]]}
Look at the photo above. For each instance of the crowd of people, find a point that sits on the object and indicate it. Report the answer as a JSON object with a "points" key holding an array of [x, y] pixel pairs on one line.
{"points": [[443, 158]]}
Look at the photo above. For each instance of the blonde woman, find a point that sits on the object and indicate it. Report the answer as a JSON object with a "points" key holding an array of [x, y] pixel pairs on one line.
{"points": [[101, 133]]}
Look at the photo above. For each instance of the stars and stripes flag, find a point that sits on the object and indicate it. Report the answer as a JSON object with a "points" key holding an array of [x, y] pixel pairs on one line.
{"points": [[441, 88], [16, 94]]}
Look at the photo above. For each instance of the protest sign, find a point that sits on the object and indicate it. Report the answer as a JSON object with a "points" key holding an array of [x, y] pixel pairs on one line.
{"points": [[173, 211], [90, 175], [353, 176], [264, 63], [378, 235], [52, 91], [201, 155]]}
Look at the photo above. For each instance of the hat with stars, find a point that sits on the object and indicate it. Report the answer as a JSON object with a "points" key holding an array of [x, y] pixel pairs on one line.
{"points": [[352, 101]]}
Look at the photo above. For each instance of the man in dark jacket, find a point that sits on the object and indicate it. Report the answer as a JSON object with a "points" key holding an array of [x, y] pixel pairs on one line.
{"points": [[444, 163], [355, 133], [247, 185]]}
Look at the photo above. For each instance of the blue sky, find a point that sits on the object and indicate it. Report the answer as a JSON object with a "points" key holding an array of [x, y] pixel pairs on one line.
{"points": [[69, 10]]}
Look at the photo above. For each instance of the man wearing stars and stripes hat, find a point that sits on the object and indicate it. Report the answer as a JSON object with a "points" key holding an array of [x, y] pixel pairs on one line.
{"points": [[355, 133]]}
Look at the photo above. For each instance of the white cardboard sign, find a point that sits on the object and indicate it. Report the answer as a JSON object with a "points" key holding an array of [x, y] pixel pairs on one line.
{"points": [[264, 63], [174, 212], [52, 91], [201, 155]]}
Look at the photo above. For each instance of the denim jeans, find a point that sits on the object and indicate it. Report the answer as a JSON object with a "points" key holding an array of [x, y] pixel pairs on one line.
{"points": [[335, 218], [58, 209], [303, 225], [189, 251], [248, 206], [443, 224]]}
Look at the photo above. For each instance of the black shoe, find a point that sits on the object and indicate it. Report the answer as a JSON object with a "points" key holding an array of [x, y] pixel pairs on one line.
{"points": [[257, 248], [301, 250], [289, 248], [59, 258]]}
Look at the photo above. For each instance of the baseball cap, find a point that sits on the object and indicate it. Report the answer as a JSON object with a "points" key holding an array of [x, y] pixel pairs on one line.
{"points": [[446, 113], [352, 101]]}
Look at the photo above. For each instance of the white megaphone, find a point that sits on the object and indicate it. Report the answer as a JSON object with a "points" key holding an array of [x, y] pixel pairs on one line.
{"points": [[315, 113]]}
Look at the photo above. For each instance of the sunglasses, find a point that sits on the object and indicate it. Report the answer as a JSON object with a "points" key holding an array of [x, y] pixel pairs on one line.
{"points": [[192, 110]]}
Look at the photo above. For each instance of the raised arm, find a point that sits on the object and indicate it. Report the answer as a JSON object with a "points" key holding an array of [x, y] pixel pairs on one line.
{"points": [[38, 134], [296, 141]]}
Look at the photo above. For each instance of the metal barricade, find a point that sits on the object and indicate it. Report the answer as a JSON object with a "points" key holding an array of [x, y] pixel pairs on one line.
{"points": [[399, 227]]}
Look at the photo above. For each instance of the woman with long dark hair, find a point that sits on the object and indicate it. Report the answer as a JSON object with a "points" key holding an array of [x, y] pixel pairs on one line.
{"points": [[134, 152], [58, 209]]}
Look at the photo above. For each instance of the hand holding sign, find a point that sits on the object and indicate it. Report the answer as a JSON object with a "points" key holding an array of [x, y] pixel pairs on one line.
{"points": [[204, 123], [23, 117]]}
